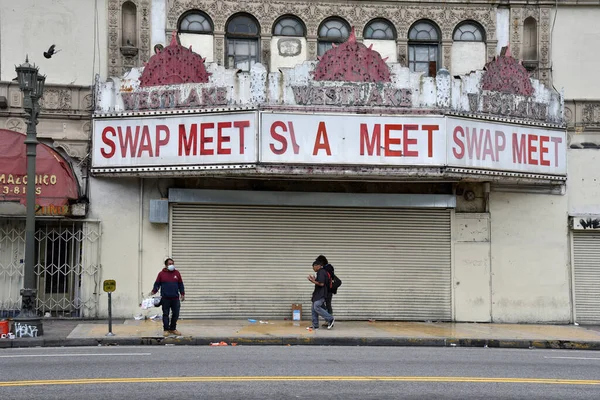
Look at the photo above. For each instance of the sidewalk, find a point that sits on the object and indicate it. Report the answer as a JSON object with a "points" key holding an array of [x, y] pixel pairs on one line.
{"points": [[344, 333]]}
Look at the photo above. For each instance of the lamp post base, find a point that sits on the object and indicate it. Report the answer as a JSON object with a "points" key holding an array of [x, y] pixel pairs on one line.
{"points": [[28, 323]]}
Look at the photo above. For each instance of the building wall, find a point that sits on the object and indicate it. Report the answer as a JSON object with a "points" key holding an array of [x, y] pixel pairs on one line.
{"points": [[116, 202], [29, 27], [467, 57], [574, 61], [583, 186], [201, 44], [530, 258], [287, 52], [387, 48]]}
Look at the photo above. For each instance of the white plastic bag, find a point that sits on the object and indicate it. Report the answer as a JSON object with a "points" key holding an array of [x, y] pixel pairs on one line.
{"points": [[148, 303]]}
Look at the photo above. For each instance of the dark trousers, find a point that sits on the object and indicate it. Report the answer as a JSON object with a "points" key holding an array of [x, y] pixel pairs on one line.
{"points": [[173, 306], [327, 304]]}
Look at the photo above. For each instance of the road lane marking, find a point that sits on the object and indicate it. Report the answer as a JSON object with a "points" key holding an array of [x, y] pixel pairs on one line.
{"points": [[577, 358], [77, 355], [430, 379]]}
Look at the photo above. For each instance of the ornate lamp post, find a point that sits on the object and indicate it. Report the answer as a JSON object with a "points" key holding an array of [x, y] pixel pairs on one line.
{"points": [[32, 86]]}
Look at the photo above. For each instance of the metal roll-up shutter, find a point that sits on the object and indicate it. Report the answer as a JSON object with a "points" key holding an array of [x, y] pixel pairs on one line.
{"points": [[253, 261], [586, 252]]}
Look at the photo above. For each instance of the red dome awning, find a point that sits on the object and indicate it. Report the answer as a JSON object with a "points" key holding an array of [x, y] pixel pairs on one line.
{"points": [[55, 181]]}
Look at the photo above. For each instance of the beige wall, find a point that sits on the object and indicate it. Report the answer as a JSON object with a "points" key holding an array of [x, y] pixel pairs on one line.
{"points": [[583, 186], [575, 58], [115, 202], [530, 258], [387, 48], [467, 57], [30, 27], [287, 52], [201, 44]]}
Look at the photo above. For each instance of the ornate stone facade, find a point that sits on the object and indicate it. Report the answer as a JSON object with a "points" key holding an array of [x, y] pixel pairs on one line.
{"points": [[122, 58], [357, 14]]}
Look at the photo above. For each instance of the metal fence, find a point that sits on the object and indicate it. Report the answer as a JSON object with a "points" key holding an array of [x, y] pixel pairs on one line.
{"points": [[67, 267]]}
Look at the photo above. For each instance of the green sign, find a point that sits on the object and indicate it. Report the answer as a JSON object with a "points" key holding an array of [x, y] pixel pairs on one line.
{"points": [[110, 285]]}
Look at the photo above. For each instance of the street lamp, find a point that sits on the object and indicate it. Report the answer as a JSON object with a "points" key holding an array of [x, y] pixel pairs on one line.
{"points": [[32, 86]]}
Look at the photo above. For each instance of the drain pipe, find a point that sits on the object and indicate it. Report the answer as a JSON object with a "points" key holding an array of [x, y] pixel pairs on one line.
{"points": [[140, 240], [486, 196]]}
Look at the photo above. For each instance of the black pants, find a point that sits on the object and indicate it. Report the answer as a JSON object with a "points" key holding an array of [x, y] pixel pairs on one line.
{"points": [[327, 304], [173, 306]]}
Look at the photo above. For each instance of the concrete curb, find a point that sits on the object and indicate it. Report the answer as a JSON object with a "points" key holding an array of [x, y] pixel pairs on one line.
{"points": [[302, 341]]}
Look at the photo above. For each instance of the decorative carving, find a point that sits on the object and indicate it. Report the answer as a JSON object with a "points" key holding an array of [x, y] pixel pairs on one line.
{"points": [[506, 75], [56, 100], [122, 59], [174, 64], [568, 116], [15, 124], [447, 50], [517, 26], [352, 62], [219, 50], [591, 114], [16, 98], [74, 148], [87, 103]]}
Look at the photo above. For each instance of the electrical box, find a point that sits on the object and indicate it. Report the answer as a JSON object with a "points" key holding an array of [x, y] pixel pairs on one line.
{"points": [[159, 211]]}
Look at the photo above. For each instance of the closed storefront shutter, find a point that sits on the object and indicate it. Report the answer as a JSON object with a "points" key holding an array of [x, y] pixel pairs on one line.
{"points": [[586, 248], [253, 261]]}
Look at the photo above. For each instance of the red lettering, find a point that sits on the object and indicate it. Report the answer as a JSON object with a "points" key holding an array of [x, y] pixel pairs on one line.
{"points": [[128, 141], [409, 141], [111, 145], [206, 139], [388, 152], [487, 145], [518, 152], [280, 138], [145, 143], [322, 141], [221, 138], [161, 142], [430, 129], [474, 143], [189, 144], [497, 145], [531, 149], [544, 150], [241, 125], [458, 141], [556, 141], [374, 143], [295, 145]]}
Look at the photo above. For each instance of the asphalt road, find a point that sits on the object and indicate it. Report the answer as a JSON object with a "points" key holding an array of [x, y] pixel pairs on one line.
{"points": [[275, 372]]}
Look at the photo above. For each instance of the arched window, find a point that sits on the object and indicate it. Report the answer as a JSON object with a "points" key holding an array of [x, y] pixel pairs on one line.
{"points": [[195, 22], [242, 42], [289, 26], [129, 24], [469, 32], [424, 48], [333, 30], [380, 29], [530, 39]]}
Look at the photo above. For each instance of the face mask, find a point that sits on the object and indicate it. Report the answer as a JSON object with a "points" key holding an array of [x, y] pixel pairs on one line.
{"points": [[171, 267]]}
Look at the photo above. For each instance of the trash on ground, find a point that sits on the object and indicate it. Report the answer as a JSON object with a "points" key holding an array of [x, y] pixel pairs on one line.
{"points": [[263, 322], [372, 320], [219, 344], [138, 317], [251, 320], [156, 317]]}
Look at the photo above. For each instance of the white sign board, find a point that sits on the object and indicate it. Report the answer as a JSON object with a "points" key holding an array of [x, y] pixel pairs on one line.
{"points": [[199, 139], [505, 147], [352, 139]]}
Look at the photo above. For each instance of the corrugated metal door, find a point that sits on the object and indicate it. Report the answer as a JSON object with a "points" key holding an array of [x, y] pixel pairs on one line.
{"points": [[253, 261], [586, 253]]}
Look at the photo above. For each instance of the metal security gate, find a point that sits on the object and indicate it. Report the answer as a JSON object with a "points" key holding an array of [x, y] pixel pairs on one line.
{"points": [[586, 255], [67, 267], [253, 261]]}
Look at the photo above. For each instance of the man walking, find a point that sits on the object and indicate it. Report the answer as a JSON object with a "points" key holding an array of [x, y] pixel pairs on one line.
{"points": [[171, 286], [318, 297]]}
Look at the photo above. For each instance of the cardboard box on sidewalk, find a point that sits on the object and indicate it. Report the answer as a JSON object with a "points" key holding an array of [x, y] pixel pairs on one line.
{"points": [[296, 312]]}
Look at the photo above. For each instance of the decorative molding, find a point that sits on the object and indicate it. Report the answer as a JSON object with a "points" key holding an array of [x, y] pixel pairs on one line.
{"points": [[16, 98], [16, 124], [591, 114], [76, 149], [121, 61], [56, 100]]}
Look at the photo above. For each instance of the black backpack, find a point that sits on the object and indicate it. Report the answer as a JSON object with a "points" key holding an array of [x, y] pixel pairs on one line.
{"points": [[333, 282]]}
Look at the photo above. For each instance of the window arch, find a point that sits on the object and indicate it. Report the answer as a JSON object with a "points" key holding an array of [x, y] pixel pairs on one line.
{"points": [[530, 39], [195, 21], [424, 47], [289, 25], [128, 24], [469, 31], [242, 32], [380, 29], [332, 30]]}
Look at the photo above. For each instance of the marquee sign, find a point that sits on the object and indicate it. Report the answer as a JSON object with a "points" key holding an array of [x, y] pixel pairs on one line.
{"points": [[328, 139]]}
